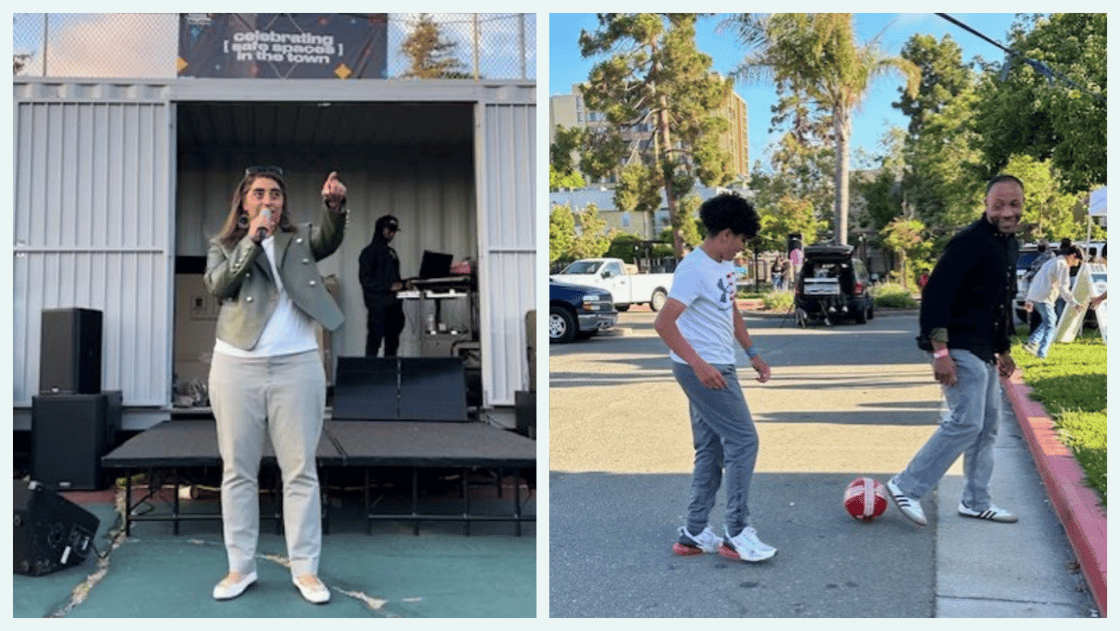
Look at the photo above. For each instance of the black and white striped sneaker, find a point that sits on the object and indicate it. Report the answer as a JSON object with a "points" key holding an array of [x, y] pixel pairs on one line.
{"points": [[909, 506], [994, 513]]}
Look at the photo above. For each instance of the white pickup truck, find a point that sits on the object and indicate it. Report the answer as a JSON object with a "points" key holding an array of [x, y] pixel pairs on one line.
{"points": [[627, 286]]}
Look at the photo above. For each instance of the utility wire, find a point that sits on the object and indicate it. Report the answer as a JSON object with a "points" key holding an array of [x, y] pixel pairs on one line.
{"points": [[1042, 68]]}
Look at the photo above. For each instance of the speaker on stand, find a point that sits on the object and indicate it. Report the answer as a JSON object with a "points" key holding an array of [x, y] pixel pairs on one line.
{"points": [[73, 423]]}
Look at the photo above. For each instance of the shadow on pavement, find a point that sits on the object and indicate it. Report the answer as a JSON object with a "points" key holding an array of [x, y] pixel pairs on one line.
{"points": [[610, 540]]}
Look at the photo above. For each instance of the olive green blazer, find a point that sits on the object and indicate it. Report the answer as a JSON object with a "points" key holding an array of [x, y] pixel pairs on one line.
{"points": [[241, 278]]}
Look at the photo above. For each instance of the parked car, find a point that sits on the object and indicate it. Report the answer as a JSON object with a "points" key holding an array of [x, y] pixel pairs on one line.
{"points": [[832, 284], [626, 285], [577, 311]]}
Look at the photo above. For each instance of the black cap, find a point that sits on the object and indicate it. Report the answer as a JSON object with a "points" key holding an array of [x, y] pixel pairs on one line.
{"points": [[387, 221]]}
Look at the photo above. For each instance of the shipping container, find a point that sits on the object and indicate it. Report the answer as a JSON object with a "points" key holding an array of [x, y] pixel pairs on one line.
{"points": [[119, 184]]}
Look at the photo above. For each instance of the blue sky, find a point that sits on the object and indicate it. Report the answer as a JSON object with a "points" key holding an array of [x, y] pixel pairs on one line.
{"points": [[566, 67]]}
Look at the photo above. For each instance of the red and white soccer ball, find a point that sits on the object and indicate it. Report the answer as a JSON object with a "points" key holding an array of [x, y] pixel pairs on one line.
{"points": [[865, 499]]}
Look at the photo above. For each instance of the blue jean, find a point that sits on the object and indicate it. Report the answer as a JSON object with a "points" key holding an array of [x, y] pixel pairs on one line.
{"points": [[969, 422], [724, 438], [1043, 336]]}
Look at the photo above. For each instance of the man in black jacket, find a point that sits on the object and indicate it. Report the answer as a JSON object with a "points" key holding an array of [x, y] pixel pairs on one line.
{"points": [[379, 271], [966, 323]]}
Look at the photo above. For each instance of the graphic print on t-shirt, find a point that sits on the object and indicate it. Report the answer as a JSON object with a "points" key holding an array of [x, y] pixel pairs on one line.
{"points": [[726, 287]]}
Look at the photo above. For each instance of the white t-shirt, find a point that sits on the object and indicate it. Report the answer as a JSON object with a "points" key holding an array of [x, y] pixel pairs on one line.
{"points": [[289, 330], [707, 288]]}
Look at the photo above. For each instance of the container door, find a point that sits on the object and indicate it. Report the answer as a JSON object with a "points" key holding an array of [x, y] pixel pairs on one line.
{"points": [[505, 149], [93, 226]]}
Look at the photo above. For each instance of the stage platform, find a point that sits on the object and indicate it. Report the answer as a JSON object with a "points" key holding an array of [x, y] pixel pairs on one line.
{"points": [[394, 412], [170, 451]]}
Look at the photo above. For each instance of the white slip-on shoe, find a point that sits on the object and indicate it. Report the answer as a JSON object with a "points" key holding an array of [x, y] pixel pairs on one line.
{"points": [[229, 587], [312, 589], [909, 506]]}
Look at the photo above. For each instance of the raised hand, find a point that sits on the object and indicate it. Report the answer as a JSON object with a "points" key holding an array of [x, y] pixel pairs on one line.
{"points": [[334, 191]]}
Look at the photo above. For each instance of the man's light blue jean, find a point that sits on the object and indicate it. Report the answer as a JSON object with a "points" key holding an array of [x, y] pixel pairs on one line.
{"points": [[969, 422], [724, 437], [1043, 336]]}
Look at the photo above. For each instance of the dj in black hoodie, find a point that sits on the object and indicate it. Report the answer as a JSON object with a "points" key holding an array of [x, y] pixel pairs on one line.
{"points": [[379, 271]]}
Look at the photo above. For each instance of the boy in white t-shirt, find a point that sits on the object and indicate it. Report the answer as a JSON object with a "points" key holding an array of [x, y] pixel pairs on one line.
{"points": [[700, 324]]}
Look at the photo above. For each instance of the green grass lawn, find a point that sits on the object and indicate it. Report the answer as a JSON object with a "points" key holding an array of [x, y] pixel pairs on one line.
{"points": [[1071, 383]]}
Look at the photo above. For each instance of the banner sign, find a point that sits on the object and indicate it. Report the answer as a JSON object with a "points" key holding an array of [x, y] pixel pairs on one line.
{"points": [[283, 45]]}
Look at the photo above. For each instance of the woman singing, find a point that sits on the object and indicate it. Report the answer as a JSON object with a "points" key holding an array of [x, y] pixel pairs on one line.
{"points": [[267, 375]]}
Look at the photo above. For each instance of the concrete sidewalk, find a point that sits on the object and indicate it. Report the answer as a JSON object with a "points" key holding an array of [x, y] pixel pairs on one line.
{"points": [[389, 574]]}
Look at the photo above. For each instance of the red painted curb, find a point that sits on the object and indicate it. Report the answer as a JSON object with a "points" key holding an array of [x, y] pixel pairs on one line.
{"points": [[1077, 506]]}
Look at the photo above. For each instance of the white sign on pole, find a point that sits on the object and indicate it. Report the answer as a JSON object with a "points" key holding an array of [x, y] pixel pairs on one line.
{"points": [[1098, 206]]}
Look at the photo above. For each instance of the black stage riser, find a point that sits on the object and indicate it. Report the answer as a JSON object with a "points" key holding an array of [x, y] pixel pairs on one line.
{"points": [[69, 435], [50, 532], [70, 351]]}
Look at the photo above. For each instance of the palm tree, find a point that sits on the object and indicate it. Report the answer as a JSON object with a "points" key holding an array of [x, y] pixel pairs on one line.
{"points": [[815, 55]]}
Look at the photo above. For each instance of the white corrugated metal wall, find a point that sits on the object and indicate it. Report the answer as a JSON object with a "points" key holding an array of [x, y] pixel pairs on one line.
{"points": [[506, 165], [93, 184]]}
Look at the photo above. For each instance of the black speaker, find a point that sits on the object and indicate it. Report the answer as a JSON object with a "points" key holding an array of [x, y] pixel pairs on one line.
{"points": [[69, 434], [50, 531], [70, 351]]}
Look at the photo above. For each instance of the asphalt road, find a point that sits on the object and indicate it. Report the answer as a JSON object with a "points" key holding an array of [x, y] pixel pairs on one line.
{"points": [[844, 401]]}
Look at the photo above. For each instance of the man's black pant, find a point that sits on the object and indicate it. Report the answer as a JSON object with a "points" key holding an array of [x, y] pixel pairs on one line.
{"points": [[384, 322]]}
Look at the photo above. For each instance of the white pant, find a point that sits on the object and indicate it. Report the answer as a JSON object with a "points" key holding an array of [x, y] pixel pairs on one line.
{"points": [[284, 396]]}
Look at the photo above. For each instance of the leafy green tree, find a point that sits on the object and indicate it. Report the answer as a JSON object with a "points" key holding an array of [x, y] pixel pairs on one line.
{"points": [[690, 227], [1047, 210], [943, 183], [1029, 106], [561, 233], [782, 211], [816, 56], [882, 197], [623, 246], [430, 55], [943, 79], [804, 156], [569, 180], [656, 86], [906, 237], [592, 237], [562, 171], [942, 176]]}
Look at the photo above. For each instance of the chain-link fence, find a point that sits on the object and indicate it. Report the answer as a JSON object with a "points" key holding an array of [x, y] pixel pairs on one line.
{"points": [[473, 46]]}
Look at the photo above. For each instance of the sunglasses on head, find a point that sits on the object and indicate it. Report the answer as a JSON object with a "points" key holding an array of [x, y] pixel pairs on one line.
{"points": [[264, 170]]}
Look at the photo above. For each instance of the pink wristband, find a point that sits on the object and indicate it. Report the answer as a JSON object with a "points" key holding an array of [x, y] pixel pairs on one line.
{"points": [[941, 353]]}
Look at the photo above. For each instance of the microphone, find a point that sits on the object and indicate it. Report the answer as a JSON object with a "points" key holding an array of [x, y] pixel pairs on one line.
{"points": [[262, 232]]}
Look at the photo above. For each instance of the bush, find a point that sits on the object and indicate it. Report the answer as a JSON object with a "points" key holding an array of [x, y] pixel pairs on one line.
{"points": [[778, 300], [893, 295]]}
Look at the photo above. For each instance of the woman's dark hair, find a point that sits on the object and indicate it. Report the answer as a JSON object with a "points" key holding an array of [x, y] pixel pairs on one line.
{"points": [[728, 210], [237, 221], [1074, 250]]}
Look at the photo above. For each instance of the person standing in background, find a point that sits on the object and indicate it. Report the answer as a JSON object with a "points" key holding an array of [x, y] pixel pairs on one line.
{"points": [[379, 271]]}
